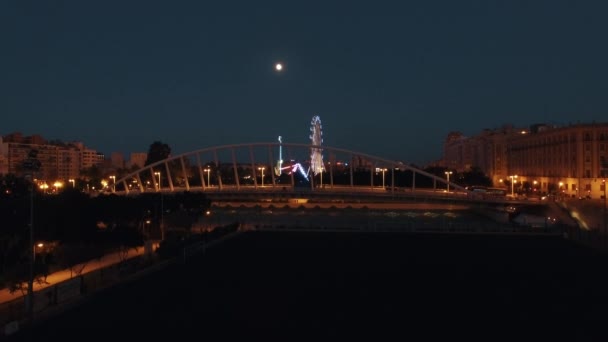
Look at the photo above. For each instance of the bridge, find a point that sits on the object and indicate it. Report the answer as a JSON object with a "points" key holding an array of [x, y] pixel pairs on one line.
{"points": [[253, 167]]}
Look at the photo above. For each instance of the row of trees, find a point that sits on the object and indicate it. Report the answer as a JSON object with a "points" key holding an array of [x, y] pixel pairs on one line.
{"points": [[80, 227]]}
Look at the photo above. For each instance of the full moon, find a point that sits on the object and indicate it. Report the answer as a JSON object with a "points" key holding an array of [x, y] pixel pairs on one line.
{"points": [[278, 66]]}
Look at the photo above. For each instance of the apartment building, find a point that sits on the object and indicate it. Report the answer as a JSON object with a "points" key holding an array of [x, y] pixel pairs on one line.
{"points": [[58, 160], [487, 151], [138, 159], [572, 160]]}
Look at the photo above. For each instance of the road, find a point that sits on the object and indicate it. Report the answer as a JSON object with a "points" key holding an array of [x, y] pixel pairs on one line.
{"points": [[364, 286]]}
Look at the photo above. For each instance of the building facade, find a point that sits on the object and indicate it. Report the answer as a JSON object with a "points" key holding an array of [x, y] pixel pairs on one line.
{"points": [[137, 159], [487, 151], [58, 161], [570, 160]]}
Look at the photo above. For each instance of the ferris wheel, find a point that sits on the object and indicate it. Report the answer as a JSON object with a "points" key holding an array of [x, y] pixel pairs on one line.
{"points": [[316, 139]]}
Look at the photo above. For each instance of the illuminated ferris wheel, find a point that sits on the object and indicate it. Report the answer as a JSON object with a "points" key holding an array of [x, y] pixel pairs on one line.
{"points": [[316, 139]]}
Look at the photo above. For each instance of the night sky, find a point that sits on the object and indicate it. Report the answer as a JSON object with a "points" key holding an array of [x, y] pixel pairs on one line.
{"points": [[387, 78]]}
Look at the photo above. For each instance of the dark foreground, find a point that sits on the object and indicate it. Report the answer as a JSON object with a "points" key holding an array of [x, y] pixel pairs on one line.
{"points": [[345, 286]]}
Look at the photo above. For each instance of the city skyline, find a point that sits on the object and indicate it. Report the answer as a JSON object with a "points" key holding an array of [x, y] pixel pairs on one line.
{"points": [[385, 80]]}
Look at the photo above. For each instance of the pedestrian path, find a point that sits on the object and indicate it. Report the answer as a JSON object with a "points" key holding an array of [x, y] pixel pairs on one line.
{"points": [[59, 276]]}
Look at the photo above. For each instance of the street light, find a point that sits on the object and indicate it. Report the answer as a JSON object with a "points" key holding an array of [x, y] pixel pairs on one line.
{"points": [[73, 182], [113, 183], [383, 171], [262, 168], [208, 170], [321, 173], [448, 173], [513, 180], [157, 173]]}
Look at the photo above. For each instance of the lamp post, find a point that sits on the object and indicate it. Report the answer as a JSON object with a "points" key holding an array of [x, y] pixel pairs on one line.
{"points": [[513, 180], [57, 185], [71, 180], [447, 174], [262, 169], [321, 172], [383, 171], [157, 173], [208, 170], [113, 183]]}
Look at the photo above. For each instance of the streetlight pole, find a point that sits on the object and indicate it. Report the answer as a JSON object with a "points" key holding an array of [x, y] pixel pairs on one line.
{"points": [[322, 168], [113, 183], [513, 180], [383, 171], [157, 173], [208, 170], [448, 173], [262, 168]]}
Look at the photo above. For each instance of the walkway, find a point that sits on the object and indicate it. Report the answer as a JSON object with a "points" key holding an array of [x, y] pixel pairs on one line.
{"points": [[59, 276]]}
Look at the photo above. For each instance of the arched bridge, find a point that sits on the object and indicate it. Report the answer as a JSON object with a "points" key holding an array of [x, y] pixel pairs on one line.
{"points": [[277, 166]]}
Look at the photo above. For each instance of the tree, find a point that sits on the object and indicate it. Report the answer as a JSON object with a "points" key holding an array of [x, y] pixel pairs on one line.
{"points": [[92, 175], [474, 176], [123, 239], [158, 151], [76, 256]]}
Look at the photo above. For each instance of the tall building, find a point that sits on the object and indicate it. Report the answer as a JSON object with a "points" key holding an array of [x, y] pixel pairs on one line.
{"points": [[486, 151], [118, 160], [572, 160], [138, 159], [89, 157], [58, 160]]}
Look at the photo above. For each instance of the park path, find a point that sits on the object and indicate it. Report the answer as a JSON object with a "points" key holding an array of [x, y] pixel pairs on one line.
{"points": [[62, 275]]}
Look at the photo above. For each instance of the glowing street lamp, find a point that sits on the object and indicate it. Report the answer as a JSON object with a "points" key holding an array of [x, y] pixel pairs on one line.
{"points": [[157, 173], [447, 174], [383, 171], [208, 170], [513, 180], [58, 185], [321, 173], [262, 169], [113, 183], [73, 182]]}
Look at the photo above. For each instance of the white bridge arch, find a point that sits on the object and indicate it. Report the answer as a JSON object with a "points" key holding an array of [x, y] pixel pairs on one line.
{"points": [[188, 172]]}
